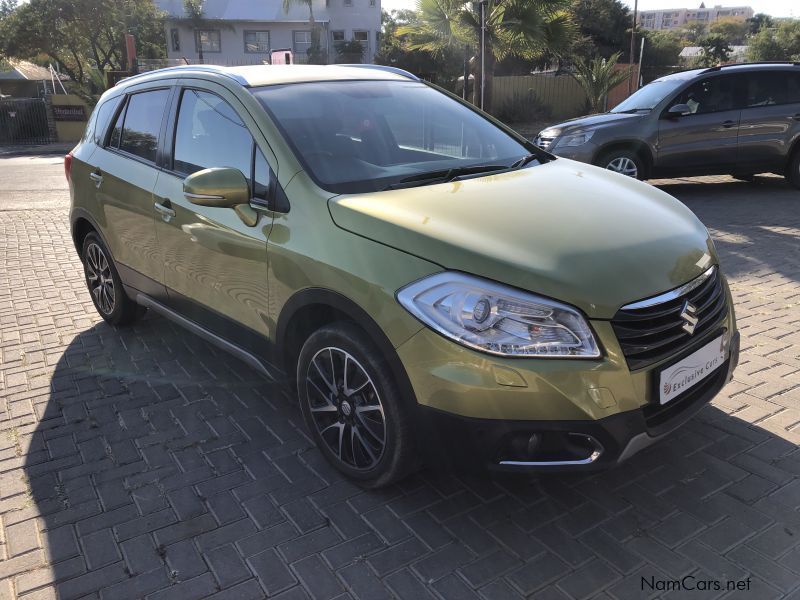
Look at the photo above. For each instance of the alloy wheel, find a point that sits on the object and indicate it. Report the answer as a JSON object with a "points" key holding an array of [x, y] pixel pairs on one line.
{"points": [[99, 278], [624, 165], [346, 408]]}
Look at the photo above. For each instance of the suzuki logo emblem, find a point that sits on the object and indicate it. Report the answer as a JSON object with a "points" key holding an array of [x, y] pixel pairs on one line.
{"points": [[689, 316]]}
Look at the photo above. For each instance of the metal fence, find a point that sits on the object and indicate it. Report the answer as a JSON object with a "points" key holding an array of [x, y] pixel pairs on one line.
{"points": [[24, 121]]}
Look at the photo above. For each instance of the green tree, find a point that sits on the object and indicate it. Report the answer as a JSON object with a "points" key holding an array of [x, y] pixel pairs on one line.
{"points": [[604, 27], [513, 28], [7, 7], [757, 22], [734, 31], [714, 50], [597, 77], [443, 68], [694, 31], [81, 35], [763, 46], [662, 50]]}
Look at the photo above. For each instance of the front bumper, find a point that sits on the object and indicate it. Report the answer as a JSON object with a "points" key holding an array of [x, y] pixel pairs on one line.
{"points": [[455, 441]]}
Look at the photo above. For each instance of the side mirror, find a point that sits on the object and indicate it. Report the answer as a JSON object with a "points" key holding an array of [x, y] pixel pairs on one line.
{"points": [[219, 187], [679, 110]]}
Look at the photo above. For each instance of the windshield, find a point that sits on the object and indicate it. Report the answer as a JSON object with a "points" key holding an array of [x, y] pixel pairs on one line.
{"points": [[362, 136], [647, 97]]}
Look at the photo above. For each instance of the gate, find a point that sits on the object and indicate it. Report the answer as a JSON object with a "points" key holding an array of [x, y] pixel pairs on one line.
{"points": [[24, 121]]}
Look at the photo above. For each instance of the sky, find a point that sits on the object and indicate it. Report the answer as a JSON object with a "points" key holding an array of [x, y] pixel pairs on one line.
{"points": [[776, 8]]}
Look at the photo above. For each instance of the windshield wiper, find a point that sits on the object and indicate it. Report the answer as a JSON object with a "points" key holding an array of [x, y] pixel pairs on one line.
{"points": [[528, 158], [443, 176], [632, 110]]}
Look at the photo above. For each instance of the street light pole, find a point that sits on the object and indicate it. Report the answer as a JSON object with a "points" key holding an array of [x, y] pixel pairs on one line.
{"points": [[633, 46]]}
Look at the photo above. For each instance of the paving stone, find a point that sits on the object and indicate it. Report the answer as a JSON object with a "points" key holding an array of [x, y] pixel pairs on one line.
{"points": [[107, 471]]}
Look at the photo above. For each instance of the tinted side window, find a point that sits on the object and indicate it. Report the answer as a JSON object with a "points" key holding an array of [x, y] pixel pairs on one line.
{"points": [[714, 94], [143, 122], [766, 89], [104, 114], [210, 134], [793, 93]]}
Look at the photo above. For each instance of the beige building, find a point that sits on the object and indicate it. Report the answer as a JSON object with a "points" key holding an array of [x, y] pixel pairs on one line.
{"points": [[677, 18]]}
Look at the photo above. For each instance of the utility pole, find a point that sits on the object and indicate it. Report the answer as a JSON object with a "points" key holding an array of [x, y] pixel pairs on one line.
{"points": [[633, 45]]}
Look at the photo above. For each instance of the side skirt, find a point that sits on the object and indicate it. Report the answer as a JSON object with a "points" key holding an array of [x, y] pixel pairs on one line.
{"points": [[261, 366]]}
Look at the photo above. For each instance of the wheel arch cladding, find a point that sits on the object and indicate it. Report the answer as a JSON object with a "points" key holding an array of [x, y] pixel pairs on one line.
{"points": [[312, 308]]}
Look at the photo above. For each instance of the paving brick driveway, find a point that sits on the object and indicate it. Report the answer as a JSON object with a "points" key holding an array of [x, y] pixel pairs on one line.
{"points": [[144, 462]]}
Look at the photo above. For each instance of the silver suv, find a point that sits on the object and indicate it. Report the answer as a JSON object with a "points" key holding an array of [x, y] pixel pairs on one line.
{"points": [[737, 119]]}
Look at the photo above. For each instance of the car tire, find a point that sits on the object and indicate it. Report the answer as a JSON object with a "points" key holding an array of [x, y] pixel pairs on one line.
{"points": [[625, 162], [105, 285], [793, 170], [353, 407]]}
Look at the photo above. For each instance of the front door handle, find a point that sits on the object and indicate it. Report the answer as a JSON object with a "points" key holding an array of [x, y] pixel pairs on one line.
{"points": [[97, 178], [166, 212], [728, 124]]}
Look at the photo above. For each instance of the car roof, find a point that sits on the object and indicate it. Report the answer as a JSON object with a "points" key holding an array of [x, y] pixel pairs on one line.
{"points": [[738, 67], [258, 75]]}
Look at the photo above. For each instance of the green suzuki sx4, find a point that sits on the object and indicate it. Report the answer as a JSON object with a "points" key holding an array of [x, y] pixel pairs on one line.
{"points": [[434, 285]]}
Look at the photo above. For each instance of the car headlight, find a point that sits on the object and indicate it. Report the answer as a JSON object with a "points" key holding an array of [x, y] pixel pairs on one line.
{"points": [[575, 139], [498, 319]]}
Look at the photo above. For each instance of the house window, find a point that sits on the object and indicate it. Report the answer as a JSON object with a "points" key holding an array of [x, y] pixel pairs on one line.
{"points": [[256, 42], [175, 40], [372, 2], [208, 40], [337, 36], [302, 42], [348, 2], [363, 37]]}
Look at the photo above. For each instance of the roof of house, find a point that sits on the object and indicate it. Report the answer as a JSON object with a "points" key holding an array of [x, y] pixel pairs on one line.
{"points": [[246, 10], [22, 70], [693, 51], [257, 75]]}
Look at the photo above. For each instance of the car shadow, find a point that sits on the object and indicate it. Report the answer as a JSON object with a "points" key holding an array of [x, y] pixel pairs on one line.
{"points": [[160, 463]]}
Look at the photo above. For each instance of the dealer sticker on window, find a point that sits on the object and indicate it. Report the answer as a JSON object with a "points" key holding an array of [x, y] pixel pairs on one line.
{"points": [[690, 371]]}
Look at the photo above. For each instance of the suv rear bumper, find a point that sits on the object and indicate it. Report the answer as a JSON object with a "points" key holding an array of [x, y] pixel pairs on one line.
{"points": [[455, 441]]}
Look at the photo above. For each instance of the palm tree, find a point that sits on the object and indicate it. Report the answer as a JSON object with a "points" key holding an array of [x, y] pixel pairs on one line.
{"points": [[315, 50], [524, 28], [597, 77]]}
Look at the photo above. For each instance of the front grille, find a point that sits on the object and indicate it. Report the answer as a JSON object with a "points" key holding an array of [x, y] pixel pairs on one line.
{"points": [[650, 331], [543, 142]]}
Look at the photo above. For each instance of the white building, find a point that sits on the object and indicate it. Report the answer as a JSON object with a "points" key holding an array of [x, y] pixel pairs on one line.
{"points": [[239, 32], [678, 18]]}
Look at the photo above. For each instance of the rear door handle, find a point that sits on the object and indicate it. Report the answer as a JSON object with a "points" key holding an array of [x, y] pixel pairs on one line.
{"points": [[97, 178], [166, 212], [728, 124]]}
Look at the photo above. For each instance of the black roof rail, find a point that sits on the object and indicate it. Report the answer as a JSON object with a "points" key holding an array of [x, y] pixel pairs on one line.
{"points": [[757, 62], [386, 68]]}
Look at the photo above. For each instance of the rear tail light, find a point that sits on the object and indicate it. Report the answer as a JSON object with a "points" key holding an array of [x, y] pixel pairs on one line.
{"points": [[68, 166]]}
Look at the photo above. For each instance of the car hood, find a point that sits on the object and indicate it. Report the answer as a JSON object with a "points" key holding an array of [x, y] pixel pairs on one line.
{"points": [[593, 121], [583, 235]]}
